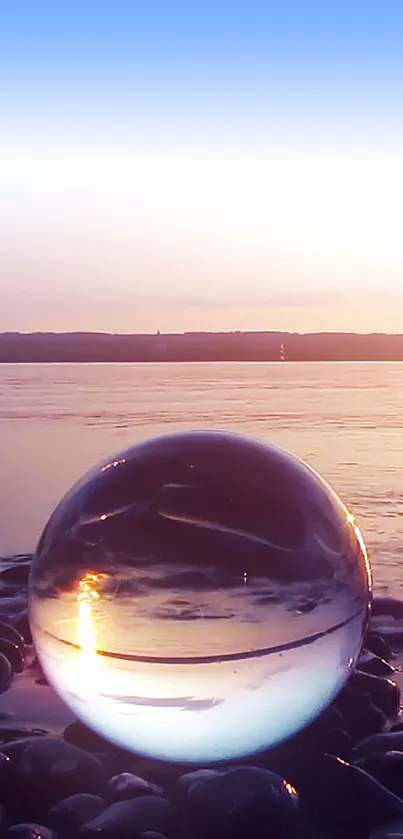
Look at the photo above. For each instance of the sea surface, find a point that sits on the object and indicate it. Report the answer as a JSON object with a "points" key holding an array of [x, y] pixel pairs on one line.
{"points": [[344, 419]]}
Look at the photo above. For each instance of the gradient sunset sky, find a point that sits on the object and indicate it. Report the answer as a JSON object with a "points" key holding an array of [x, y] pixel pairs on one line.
{"points": [[215, 165]]}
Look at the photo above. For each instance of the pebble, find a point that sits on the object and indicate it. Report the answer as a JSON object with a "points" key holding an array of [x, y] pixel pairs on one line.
{"points": [[187, 780], [361, 717], [29, 831], [392, 632], [10, 634], [124, 786], [389, 741], [152, 834], [213, 802], [384, 693], [18, 572], [343, 797], [371, 663], [387, 606], [6, 673], [387, 768], [14, 653], [68, 815], [80, 735], [22, 625], [47, 770], [17, 733], [128, 819], [375, 643]]}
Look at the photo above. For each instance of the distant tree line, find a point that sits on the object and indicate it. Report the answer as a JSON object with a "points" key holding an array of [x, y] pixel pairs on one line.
{"points": [[198, 346]]}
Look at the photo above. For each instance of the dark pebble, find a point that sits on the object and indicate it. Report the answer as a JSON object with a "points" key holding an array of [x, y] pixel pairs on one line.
{"points": [[29, 831], [387, 606], [371, 663], [290, 758], [6, 673], [215, 803], [16, 573], [344, 798], [387, 768], [10, 634], [157, 772], [375, 642], [68, 815], [22, 625], [17, 734], [384, 693], [5, 765], [80, 735], [128, 819], [48, 770], [187, 780], [14, 654], [389, 741], [9, 591], [152, 834], [126, 785], [389, 835], [254, 815], [361, 717]]}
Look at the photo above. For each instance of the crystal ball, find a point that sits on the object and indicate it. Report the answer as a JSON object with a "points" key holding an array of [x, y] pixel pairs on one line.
{"points": [[199, 597]]}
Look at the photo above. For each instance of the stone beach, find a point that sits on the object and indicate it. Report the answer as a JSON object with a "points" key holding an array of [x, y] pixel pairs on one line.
{"points": [[340, 777]]}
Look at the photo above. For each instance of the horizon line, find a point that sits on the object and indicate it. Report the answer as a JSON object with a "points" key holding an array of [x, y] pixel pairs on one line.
{"points": [[158, 332]]}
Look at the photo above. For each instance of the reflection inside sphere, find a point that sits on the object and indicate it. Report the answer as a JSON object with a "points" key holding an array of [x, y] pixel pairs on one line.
{"points": [[199, 597]]}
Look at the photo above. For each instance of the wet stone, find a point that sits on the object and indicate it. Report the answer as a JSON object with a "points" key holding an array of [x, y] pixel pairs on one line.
{"points": [[14, 738], [387, 606], [186, 781], [387, 768], [124, 786], [14, 653], [384, 693], [344, 798], [22, 625], [214, 803], [29, 831], [128, 819], [48, 770], [375, 643], [18, 572], [362, 717], [393, 632], [6, 673], [386, 742], [80, 735], [152, 834], [11, 607], [157, 772], [373, 664], [68, 815], [9, 633]]}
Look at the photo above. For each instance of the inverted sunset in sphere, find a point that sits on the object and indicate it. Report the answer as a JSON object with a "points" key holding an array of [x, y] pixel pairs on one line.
{"points": [[199, 597]]}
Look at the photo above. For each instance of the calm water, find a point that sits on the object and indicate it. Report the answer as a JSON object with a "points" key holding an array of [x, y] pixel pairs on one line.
{"points": [[344, 419]]}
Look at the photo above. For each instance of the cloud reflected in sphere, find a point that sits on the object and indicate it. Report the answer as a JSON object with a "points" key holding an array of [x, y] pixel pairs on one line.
{"points": [[199, 597]]}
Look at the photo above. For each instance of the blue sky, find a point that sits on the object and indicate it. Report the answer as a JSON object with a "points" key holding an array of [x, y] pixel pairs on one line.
{"points": [[215, 165]]}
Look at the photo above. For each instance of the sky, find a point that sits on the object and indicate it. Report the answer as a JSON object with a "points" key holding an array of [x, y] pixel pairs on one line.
{"points": [[216, 165]]}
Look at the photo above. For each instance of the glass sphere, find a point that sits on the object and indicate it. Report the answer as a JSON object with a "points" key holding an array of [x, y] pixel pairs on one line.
{"points": [[199, 597]]}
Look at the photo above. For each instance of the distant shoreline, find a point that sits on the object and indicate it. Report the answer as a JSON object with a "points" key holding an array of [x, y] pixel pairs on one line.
{"points": [[87, 347]]}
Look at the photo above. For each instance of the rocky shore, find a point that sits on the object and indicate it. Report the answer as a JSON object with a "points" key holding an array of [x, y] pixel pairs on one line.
{"points": [[341, 778]]}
